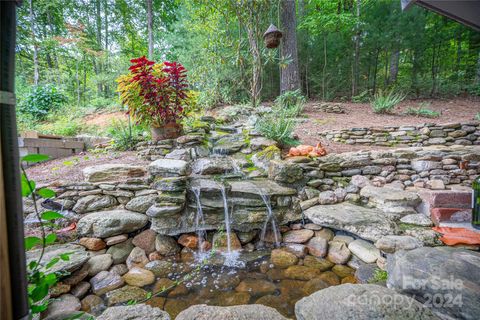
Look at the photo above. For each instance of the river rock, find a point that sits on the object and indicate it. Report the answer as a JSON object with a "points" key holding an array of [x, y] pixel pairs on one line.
{"points": [[282, 258], [93, 244], [137, 258], [99, 263], [367, 223], [81, 289], [392, 243], [94, 203], [109, 223], [317, 247], [77, 257], [92, 304], [256, 287], [242, 312], [360, 301], [318, 263], [297, 236], [139, 277], [188, 240], [301, 272], [166, 245], [160, 268], [220, 241], [134, 312], [299, 250], [314, 285], [325, 233], [338, 252], [145, 240], [112, 172], [364, 250], [105, 281], [439, 271], [121, 251], [66, 304], [125, 294]]}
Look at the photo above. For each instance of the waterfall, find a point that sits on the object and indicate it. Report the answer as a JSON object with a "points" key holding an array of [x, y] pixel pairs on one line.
{"points": [[270, 218], [199, 220], [227, 218]]}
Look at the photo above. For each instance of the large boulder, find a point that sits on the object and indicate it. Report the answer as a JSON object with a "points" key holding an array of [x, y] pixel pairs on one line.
{"points": [[242, 312], [168, 168], [360, 301], [229, 144], [112, 172], [394, 201], [104, 224], [134, 312], [76, 254], [285, 171], [445, 274], [367, 223]]}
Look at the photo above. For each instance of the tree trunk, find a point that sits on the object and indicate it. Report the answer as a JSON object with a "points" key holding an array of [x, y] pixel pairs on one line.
{"points": [[150, 29], [356, 57], [289, 77], [375, 70], [477, 76], [394, 61], [106, 66], [98, 66], [36, 74]]}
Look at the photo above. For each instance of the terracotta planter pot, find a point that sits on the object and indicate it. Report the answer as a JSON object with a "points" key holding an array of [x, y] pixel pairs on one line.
{"points": [[170, 130]]}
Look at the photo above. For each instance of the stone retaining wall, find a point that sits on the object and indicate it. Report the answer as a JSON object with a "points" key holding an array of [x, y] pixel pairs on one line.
{"points": [[420, 135]]}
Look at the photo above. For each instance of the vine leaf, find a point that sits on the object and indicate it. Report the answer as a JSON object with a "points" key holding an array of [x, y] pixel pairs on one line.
{"points": [[46, 193], [27, 186], [31, 242], [51, 215], [50, 238]]}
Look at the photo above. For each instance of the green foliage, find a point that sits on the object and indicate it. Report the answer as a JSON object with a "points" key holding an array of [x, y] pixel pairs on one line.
{"points": [[125, 135], [42, 100], [278, 125], [39, 279], [477, 116], [291, 100], [422, 111], [363, 97], [386, 102], [379, 276]]}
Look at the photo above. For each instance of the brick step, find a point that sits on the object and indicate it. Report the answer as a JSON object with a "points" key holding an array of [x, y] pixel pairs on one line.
{"points": [[431, 199], [454, 215]]}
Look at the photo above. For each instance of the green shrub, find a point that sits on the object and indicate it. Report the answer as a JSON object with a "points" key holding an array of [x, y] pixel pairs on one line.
{"points": [[477, 116], [278, 125], [384, 103], [422, 111], [292, 101], [42, 100], [125, 135], [362, 97]]}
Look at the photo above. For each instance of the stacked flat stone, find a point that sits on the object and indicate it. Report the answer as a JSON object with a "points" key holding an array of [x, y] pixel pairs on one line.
{"points": [[427, 134]]}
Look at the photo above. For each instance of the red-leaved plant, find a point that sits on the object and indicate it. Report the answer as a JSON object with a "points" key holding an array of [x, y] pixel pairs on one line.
{"points": [[163, 89]]}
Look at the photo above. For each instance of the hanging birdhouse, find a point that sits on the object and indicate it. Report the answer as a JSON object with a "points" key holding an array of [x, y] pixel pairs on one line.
{"points": [[272, 37]]}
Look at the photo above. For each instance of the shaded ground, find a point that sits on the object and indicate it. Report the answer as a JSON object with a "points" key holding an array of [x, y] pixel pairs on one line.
{"points": [[70, 168], [361, 115]]}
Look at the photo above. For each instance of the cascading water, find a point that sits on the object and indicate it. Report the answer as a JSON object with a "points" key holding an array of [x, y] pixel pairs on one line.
{"points": [[199, 222], [270, 218], [231, 256]]}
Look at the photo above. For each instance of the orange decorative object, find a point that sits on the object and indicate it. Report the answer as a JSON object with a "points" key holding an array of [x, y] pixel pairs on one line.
{"points": [[452, 236], [305, 150], [70, 227]]}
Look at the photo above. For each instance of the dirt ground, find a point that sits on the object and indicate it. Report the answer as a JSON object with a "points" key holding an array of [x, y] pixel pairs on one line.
{"points": [[70, 168], [361, 115], [316, 121]]}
